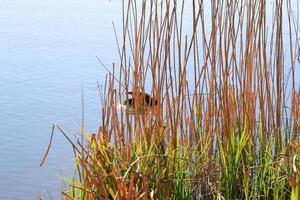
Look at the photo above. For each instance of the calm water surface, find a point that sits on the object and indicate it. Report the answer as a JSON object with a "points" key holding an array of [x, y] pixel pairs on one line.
{"points": [[47, 50]]}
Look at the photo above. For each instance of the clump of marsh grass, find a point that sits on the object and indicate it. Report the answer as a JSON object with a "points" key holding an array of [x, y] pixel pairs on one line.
{"points": [[226, 123]]}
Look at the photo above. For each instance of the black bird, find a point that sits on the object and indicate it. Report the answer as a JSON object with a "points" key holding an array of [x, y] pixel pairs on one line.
{"points": [[146, 101]]}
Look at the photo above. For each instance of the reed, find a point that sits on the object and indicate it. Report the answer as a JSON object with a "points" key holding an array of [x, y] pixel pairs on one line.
{"points": [[227, 120]]}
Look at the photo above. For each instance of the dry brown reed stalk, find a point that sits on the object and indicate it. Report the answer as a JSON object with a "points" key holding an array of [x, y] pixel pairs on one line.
{"points": [[215, 82]]}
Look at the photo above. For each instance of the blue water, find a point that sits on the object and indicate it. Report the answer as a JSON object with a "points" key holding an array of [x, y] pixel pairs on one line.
{"points": [[48, 50]]}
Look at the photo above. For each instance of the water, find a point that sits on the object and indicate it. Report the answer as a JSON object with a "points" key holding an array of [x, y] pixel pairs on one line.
{"points": [[48, 50]]}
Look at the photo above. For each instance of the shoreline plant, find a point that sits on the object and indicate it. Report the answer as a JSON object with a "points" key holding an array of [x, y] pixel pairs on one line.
{"points": [[227, 121]]}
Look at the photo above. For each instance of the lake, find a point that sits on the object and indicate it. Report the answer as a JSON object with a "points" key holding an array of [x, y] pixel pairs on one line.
{"points": [[48, 53]]}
